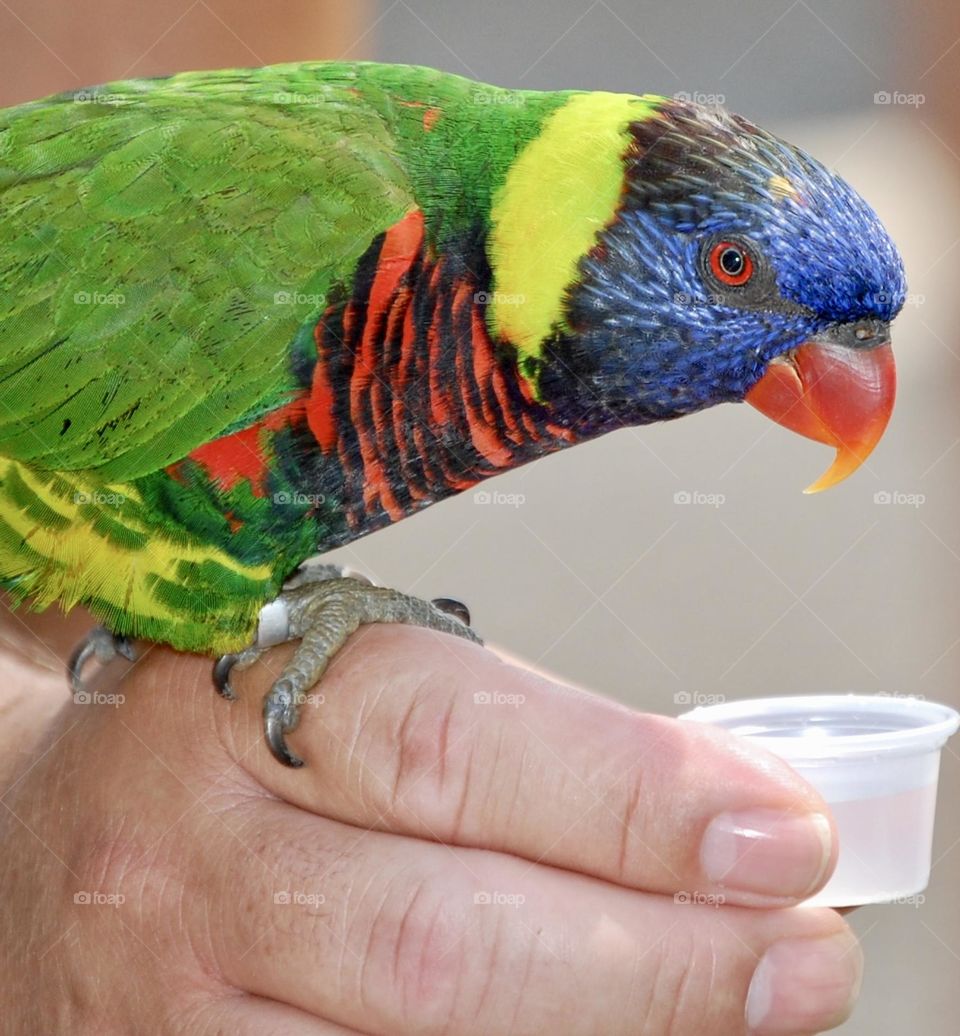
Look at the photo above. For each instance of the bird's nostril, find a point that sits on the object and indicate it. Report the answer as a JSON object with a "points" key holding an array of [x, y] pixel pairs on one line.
{"points": [[856, 334]]}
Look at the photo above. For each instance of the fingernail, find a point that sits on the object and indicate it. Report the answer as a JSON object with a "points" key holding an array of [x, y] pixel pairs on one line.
{"points": [[804, 985], [767, 852]]}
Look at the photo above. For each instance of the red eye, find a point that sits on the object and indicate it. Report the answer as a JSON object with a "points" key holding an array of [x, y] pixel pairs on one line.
{"points": [[730, 264]]}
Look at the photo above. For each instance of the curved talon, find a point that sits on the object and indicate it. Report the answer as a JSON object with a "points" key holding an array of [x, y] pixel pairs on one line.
{"points": [[221, 676], [101, 644], [82, 654], [274, 728], [453, 607]]}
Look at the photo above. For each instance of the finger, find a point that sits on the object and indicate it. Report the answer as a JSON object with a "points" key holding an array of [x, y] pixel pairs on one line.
{"points": [[388, 935], [421, 734], [244, 1015]]}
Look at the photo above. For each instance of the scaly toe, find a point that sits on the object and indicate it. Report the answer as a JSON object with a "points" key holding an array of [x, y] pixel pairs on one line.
{"points": [[320, 607]]}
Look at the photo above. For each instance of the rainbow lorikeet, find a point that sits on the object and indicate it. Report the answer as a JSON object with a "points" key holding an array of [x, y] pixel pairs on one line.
{"points": [[250, 315]]}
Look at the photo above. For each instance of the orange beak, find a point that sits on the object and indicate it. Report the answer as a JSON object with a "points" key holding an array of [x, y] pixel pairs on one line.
{"points": [[838, 389]]}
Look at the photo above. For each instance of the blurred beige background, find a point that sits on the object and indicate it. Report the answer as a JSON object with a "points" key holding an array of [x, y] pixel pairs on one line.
{"points": [[600, 574]]}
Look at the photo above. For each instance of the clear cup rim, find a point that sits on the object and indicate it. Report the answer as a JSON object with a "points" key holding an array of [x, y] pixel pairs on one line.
{"points": [[939, 723]]}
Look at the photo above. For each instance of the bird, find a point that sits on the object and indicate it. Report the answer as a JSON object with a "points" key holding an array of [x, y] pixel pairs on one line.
{"points": [[250, 315]]}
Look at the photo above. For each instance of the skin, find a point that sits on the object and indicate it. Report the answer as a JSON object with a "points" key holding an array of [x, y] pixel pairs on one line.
{"points": [[582, 817]]}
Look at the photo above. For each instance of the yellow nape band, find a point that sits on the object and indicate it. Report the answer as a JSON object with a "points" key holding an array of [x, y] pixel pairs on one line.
{"points": [[562, 189]]}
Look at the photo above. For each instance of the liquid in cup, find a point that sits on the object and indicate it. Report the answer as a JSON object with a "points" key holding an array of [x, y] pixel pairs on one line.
{"points": [[875, 760]]}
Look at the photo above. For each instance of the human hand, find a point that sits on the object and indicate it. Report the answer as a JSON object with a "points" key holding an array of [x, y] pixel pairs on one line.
{"points": [[471, 849]]}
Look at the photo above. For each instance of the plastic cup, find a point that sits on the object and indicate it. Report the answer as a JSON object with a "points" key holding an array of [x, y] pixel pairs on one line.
{"points": [[875, 760]]}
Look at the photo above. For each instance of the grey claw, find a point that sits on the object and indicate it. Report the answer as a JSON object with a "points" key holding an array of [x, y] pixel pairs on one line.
{"points": [[221, 676], [453, 607], [82, 654], [99, 643], [277, 721]]}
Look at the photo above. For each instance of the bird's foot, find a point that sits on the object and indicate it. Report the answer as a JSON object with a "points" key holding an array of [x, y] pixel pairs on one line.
{"points": [[100, 645], [320, 605]]}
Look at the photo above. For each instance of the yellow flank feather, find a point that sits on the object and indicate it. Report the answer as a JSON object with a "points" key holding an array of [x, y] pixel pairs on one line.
{"points": [[563, 188], [68, 559]]}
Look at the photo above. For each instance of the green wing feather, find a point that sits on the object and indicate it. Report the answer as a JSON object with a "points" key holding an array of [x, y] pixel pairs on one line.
{"points": [[162, 241], [166, 248]]}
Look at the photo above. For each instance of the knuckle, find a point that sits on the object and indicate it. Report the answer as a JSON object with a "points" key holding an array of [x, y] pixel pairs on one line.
{"points": [[110, 895], [417, 953], [631, 847], [680, 1001], [446, 958], [133, 891], [643, 795], [431, 743], [105, 863], [687, 1005]]}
